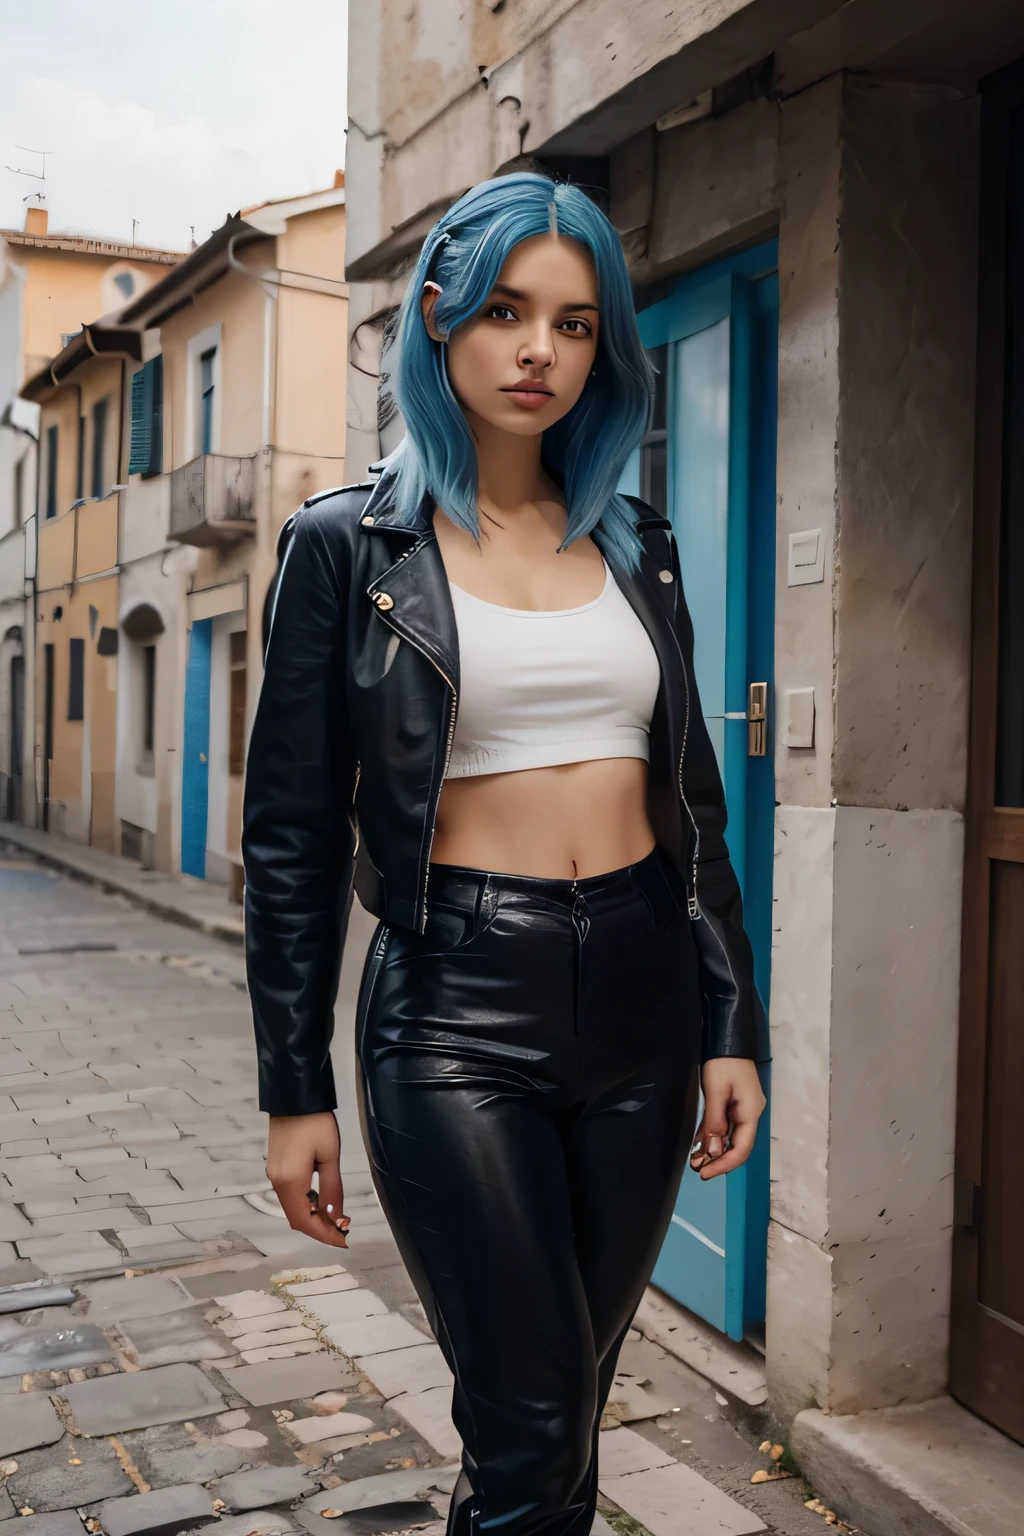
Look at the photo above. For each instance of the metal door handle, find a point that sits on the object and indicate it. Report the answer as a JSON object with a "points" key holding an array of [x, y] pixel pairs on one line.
{"points": [[757, 720]]}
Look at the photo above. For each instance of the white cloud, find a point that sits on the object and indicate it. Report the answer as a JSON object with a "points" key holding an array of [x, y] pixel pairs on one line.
{"points": [[197, 112]]}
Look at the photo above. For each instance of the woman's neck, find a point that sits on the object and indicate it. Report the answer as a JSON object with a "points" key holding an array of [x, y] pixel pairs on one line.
{"points": [[510, 473]]}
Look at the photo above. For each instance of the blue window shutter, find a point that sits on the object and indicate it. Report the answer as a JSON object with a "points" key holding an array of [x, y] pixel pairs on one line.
{"points": [[138, 457], [146, 455], [156, 415]]}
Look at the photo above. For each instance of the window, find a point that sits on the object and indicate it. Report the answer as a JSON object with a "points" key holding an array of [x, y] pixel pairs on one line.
{"points": [[148, 720], [654, 448], [51, 471], [19, 490], [146, 452], [80, 467], [206, 386], [99, 433], [236, 725], [76, 681]]}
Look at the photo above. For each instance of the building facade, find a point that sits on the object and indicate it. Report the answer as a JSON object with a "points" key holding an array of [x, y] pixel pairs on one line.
{"points": [[238, 414], [82, 397], [797, 188], [49, 284]]}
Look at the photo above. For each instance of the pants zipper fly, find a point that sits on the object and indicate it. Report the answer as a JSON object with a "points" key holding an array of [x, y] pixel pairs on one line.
{"points": [[581, 927]]}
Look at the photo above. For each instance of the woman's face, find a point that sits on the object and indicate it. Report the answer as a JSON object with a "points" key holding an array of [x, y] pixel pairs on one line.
{"points": [[522, 362]]}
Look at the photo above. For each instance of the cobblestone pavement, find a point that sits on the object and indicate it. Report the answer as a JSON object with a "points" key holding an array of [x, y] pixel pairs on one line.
{"points": [[182, 1357]]}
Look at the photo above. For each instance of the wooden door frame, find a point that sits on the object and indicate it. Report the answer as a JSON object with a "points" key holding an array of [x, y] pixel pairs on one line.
{"points": [[986, 1355]]}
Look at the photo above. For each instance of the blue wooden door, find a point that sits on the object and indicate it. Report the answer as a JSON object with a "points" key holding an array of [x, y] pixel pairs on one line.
{"points": [[195, 768], [708, 463]]}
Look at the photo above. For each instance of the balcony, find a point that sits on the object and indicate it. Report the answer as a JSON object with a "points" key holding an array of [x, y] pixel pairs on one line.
{"points": [[212, 500]]}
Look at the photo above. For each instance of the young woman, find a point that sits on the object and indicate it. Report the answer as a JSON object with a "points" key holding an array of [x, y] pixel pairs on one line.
{"points": [[479, 698]]}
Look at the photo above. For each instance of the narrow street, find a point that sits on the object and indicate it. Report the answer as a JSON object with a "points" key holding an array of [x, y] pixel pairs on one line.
{"points": [[182, 1356]]}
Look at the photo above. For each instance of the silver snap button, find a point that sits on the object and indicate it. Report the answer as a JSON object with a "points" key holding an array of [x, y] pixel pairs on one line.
{"points": [[665, 576], [384, 601], [368, 520]]}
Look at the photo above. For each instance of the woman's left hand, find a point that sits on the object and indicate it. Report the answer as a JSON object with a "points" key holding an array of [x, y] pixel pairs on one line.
{"points": [[733, 1103]]}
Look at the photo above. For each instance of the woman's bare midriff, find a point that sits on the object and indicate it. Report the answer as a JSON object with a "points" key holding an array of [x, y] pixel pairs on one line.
{"points": [[577, 819]]}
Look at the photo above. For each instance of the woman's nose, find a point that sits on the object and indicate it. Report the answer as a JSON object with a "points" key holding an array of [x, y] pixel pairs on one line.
{"points": [[538, 350]]}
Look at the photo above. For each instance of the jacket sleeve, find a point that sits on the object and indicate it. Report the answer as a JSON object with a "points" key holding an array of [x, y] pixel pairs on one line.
{"points": [[298, 828], [734, 1017]]}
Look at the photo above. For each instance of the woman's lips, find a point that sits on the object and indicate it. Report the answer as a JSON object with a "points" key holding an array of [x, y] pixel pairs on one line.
{"points": [[532, 399]]}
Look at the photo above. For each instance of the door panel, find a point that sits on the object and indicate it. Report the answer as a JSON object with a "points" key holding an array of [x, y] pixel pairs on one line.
{"points": [[195, 771], [716, 340], [987, 1327]]}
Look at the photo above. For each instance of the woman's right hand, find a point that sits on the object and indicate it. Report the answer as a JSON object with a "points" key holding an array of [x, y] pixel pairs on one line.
{"points": [[297, 1147]]}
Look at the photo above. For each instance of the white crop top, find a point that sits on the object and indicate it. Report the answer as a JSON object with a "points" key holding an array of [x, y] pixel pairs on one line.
{"points": [[562, 686]]}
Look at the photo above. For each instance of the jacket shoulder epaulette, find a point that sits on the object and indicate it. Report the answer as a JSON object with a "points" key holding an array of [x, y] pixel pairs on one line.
{"points": [[335, 490]]}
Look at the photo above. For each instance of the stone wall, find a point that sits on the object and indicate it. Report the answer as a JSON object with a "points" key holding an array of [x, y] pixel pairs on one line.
{"points": [[877, 271]]}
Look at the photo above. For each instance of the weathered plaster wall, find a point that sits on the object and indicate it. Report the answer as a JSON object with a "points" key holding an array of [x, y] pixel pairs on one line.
{"points": [[906, 445], [442, 95], [875, 448], [682, 197]]}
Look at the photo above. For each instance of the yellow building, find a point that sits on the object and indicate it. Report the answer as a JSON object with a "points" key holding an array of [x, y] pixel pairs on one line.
{"points": [[82, 396], [240, 399], [49, 284]]}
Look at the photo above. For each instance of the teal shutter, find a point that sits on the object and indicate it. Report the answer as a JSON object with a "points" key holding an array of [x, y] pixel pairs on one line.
{"points": [[155, 367], [146, 454], [138, 457]]}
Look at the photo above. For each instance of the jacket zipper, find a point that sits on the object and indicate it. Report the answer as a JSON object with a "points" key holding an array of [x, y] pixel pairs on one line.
{"points": [[692, 904], [444, 774], [447, 753]]}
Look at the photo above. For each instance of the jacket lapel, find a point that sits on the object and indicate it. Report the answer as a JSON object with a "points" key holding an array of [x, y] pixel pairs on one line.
{"points": [[417, 601]]}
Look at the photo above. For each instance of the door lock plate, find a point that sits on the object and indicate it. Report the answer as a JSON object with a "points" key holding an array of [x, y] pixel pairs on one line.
{"points": [[757, 720]]}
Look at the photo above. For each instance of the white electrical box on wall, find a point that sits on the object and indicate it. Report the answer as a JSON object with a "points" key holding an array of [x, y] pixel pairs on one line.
{"points": [[806, 557], [798, 717]]}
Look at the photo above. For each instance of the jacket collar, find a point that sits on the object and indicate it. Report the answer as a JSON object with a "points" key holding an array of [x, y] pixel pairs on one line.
{"points": [[421, 604]]}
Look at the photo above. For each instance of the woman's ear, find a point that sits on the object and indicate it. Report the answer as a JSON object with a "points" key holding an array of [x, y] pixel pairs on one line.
{"points": [[428, 303]]}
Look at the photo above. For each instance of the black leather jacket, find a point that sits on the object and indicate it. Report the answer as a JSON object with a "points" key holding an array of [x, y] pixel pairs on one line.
{"points": [[346, 761]]}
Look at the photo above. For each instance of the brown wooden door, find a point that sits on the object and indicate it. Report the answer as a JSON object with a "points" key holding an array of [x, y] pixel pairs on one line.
{"points": [[987, 1364]]}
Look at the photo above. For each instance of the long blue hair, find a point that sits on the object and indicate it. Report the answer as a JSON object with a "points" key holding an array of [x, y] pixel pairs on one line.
{"points": [[584, 452]]}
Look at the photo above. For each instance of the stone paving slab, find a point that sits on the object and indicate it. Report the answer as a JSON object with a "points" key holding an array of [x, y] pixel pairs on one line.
{"points": [[66, 1523], [343, 1306], [371, 1335], [164, 1395], [407, 1370], [282, 1381], [173, 1337], [55, 1346], [71, 1475], [27, 1421], [161, 1513], [328, 1285], [673, 1500], [260, 1522], [169, 1454], [261, 1486], [122, 1301], [430, 1414], [623, 1451]]}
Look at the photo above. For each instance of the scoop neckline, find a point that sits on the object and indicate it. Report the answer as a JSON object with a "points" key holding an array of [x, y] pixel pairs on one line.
{"points": [[538, 613]]}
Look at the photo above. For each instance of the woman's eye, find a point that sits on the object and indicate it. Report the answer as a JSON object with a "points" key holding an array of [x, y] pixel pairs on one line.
{"points": [[581, 327], [500, 312]]}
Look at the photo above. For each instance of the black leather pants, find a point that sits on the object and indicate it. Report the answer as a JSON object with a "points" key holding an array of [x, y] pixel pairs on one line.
{"points": [[527, 1095]]}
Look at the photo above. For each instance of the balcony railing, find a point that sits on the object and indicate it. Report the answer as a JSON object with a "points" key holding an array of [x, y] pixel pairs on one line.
{"points": [[212, 499]]}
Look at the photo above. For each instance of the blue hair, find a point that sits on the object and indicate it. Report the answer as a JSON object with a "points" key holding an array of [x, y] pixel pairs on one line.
{"points": [[584, 452]]}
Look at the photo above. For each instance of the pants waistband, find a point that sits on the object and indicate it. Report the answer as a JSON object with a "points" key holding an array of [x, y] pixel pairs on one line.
{"points": [[463, 886]]}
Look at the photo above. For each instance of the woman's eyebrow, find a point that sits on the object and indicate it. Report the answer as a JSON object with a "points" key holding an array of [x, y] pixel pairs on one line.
{"points": [[520, 297]]}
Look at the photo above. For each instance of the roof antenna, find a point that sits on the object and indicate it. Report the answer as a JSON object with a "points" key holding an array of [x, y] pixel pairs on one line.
{"points": [[19, 170], [135, 225]]}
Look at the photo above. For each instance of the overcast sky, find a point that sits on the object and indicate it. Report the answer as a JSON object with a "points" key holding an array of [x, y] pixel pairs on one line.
{"points": [[171, 114]]}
